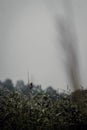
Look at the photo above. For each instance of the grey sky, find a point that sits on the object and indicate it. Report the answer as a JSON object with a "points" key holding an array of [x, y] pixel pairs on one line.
{"points": [[28, 41]]}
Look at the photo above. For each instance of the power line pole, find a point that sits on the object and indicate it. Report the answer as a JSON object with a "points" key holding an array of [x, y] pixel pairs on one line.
{"points": [[28, 78]]}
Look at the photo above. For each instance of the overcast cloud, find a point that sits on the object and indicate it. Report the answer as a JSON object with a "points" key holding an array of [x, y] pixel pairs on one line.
{"points": [[28, 41]]}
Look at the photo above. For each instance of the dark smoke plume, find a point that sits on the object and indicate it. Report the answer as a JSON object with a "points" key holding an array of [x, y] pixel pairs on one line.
{"points": [[69, 45], [66, 33]]}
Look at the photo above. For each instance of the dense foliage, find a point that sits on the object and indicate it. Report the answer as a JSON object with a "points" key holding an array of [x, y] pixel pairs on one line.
{"points": [[40, 110]]}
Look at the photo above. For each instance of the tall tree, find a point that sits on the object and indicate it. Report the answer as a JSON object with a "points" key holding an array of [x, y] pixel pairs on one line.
{"points": [[8, 84]]}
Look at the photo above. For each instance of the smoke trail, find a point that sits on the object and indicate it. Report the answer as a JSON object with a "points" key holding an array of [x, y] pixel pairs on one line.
{"points": [[69, 44], [68, 39]]}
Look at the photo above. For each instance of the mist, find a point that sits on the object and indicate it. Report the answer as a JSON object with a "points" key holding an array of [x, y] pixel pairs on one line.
{"points": [[29, 42]]}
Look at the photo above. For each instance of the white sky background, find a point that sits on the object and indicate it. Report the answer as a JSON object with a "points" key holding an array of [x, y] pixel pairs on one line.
{"points": [[28, 41]]}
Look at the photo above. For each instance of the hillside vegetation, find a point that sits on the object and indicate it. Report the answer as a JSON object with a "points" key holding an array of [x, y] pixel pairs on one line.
{"points": [[28, 107]]}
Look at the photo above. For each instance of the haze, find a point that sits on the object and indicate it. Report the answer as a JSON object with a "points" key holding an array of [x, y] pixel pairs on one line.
{"points": [[28, 41]]}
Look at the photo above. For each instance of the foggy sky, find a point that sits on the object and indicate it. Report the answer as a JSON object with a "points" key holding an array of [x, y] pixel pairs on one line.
{"points": [[28, 41]]}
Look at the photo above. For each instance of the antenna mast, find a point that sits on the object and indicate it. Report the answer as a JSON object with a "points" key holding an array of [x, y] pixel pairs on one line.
{"points": [[28, 77]]}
